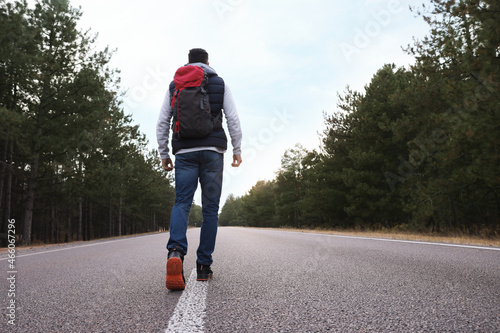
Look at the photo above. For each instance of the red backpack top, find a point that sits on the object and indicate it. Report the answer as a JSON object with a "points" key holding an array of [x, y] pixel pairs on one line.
{"points": [[190, 104]]}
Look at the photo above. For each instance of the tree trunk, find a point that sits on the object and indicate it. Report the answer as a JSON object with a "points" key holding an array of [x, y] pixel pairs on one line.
{"points": [[86, 220], [57, 233], [3, 164], [110, 214], [120, 216], [30, 200], [68, 229], [52, 221], [80, 217], [8, 186], [91, 227]]}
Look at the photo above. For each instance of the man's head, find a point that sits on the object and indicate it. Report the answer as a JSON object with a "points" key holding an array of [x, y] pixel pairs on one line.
{"points": [[198, 55]]}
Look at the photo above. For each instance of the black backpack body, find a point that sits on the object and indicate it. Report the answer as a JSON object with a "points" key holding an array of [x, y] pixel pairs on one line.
{"points": [[190, 104]]}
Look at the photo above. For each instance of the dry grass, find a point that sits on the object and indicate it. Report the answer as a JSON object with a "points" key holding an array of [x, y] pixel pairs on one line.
{"points": [[390, 234]]}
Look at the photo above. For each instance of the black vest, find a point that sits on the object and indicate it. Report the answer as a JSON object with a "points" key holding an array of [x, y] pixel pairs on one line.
{"points": [[217, 138]]}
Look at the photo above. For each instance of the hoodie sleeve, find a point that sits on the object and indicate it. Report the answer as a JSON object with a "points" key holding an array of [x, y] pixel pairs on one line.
{"points": [[233, 121], [163, 127]]}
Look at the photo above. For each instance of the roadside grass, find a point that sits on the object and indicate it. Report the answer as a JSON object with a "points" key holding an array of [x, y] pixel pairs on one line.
{"points": [[38, 244], [403, 235]]}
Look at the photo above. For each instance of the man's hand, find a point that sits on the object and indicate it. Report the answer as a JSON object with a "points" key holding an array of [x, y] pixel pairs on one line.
{"points": [[167, 164], [236, 161]]}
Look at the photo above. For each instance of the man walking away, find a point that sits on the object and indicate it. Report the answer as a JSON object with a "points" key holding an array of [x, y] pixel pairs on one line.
{"points": [[198, 158]]}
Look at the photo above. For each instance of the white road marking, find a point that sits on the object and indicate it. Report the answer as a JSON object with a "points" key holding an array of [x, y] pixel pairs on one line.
{"points": [[400, 241], [189, 314], [70, 247]]}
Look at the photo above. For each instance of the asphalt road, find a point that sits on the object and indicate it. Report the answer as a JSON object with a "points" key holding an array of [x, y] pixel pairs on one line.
{"points": [[264, 281]]}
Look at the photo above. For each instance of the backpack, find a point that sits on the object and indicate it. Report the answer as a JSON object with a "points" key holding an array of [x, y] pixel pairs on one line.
{"points": [[192, 116]]}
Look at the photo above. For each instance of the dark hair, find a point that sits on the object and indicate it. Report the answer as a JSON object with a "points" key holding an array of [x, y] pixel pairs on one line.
{"points": [[198, 55]]}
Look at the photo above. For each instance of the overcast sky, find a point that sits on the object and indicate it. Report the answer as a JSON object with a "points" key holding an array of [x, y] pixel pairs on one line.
{"points": [[285, 62]]}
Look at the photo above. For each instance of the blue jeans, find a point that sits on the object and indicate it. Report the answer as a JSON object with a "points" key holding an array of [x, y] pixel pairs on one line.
{"points": [[205, 166]]}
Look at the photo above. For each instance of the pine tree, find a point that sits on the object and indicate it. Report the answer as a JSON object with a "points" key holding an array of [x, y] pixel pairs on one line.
{"points": [[289, 188], [232, 212], [15, 67], [459, 69], [259, 205]]}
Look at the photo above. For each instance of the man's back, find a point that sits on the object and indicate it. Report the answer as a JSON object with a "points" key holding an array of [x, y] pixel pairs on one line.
{"points": [[197, 160]]}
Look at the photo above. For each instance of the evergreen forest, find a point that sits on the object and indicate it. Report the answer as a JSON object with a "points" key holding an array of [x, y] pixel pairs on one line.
{"points": [[72, 164], [417, 150]]}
